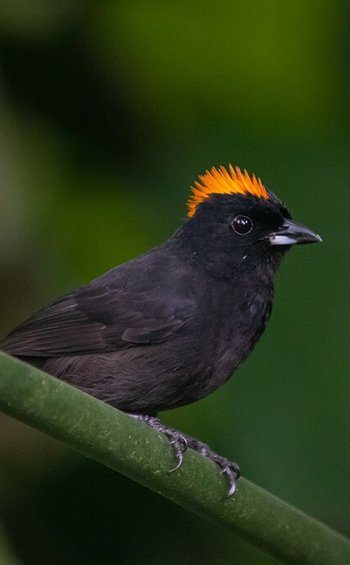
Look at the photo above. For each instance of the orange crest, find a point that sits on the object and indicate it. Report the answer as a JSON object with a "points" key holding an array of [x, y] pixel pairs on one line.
{"points": [[221, 181]]}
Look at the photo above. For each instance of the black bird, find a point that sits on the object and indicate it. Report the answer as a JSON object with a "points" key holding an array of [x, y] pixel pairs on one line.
{"points": [[171, 326]]}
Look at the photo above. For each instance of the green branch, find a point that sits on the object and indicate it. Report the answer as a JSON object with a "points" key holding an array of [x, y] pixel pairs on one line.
{"points": [[131, 448]]}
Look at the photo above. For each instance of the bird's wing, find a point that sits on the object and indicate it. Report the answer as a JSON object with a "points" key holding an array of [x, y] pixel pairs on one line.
{"points": [[99, 319]]}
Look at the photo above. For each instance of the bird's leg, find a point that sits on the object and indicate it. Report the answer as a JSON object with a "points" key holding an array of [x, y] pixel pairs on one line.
{"points": [[180, 442]]}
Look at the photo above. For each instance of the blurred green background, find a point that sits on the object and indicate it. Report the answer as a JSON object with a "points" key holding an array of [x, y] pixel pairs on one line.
{"points": [[108, 112]]}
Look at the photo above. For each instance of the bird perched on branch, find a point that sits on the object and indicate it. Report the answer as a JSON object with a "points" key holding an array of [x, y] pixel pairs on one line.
{"points": [[171, 326]]}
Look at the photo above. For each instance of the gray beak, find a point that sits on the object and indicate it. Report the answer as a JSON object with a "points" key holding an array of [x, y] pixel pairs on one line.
{"points": [[291, 233]]}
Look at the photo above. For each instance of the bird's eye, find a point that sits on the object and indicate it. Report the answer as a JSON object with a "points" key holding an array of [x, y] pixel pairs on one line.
{"points": [[242, 225]]}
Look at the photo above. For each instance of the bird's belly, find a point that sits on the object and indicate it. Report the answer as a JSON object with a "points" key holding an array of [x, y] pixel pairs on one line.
{"points": [[150, 378]]}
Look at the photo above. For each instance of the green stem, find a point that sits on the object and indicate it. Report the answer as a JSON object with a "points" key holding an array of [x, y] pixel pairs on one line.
{"points": [[125, 445]]}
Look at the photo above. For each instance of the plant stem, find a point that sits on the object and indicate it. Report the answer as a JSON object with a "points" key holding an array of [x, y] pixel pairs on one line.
{"points": [[111, 437]]}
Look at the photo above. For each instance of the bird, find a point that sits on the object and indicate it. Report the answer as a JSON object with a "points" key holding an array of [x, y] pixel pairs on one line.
{"points": [[172, 325]]}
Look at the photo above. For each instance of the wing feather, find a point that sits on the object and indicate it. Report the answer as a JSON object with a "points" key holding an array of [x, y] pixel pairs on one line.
{"points": [[99, 319]]}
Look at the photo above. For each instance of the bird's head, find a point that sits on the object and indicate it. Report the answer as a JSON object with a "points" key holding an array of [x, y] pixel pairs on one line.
{"points": [[234, 221]]}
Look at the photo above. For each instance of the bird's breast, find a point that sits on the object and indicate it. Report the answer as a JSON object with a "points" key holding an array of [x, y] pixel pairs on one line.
{"points": [[233, 337]]}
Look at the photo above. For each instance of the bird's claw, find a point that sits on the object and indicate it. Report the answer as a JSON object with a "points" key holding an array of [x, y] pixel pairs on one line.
{"points": [[177, 440], [180, 442], [232, 472], [227, 468], [179, 445]]}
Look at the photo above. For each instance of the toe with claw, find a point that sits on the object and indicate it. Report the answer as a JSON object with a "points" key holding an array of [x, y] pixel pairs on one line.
{"points": [[177, 440], [180, 442], [232, 472]]}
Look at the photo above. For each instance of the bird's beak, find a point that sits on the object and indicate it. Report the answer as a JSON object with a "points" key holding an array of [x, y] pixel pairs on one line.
{"points": [[291, 233]]}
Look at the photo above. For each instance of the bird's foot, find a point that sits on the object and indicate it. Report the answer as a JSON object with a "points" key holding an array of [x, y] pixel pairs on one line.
{"points": [[228, 468], [180, 442], [177, 440]]}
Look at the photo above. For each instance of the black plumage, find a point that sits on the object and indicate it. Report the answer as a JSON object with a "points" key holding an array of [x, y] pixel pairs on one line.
{"points": [[169, 327]]}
